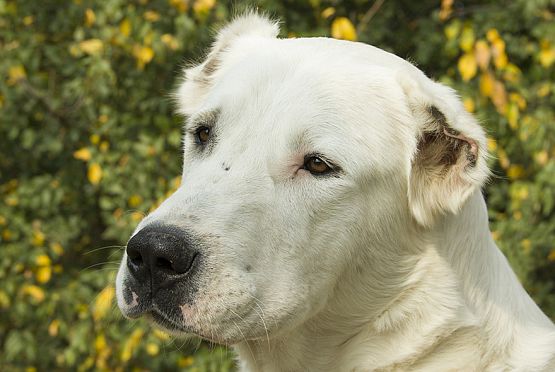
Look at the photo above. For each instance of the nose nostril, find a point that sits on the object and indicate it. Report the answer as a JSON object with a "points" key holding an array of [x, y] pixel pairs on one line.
{"points": [[135, 257], [137, 260], [160, 255], [163, 263]]}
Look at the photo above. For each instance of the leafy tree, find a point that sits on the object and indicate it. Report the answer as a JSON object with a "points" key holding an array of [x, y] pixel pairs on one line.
{"points": [[88, 144]]}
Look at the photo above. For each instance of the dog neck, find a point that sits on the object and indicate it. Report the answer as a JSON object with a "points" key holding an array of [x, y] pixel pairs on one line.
{"points": [[459, 304]]}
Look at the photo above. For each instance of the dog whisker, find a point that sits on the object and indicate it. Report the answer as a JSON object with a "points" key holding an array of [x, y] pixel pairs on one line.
{"points": [[102, 248]]}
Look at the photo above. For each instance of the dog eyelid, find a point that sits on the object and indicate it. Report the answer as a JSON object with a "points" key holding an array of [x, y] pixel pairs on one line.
{"points": [[318, 165]]}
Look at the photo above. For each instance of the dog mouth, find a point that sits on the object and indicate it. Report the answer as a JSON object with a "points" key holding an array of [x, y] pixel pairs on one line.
{"points": [[161, 319]]}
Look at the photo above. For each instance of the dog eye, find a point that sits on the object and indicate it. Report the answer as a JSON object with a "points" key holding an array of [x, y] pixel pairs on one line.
{"points": [[202, 134], [316, 165]]}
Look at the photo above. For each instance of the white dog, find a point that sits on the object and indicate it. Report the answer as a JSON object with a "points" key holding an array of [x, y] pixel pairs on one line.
{"points": [[330, 218]]}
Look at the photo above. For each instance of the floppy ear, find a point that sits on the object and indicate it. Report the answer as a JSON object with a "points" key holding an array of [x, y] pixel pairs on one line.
{"points": [[449, 160], [198, 79]]}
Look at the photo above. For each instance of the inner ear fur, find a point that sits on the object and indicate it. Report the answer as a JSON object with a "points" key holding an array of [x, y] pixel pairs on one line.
{"points": [[441, 147], [449, 160]]}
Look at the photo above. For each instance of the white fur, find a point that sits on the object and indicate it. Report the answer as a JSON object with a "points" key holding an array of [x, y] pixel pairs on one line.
{"points": [[370, 270]]}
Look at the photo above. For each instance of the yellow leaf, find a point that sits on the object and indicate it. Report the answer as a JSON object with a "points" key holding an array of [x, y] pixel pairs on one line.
{"points": [[176, 182], [82, 154], [467, 39], [125, 27], [542, 157], [526, 245], [446, 9], [143, 54], [151, 16], [522, 193], [152, 349], [492, 144], [95, 173], [342, 28], [487, 82], [544, 90], [91, 46], [137, 216], [503, 158], [500, 59], [453, 29], [34, 292], [161, 335], [75, 51], [170, 41], [518, 99], [12, 201], [467, 66], [483, 54], [95, 139], [131, 344], [103, 302], [492, 35], [512, 73], [87, 364], [180, 5], [134, 200], [104, 146], [328, 12], [90, 17], [184, 362], [16, 73], [2, 220], [38, 239], [57, 248], [54, 327], [512, 115], [202, 7], [4, 300], [547, 55], [43, 260], [551, 255], [515, 172], [43, 274], [100, 343], [28, 20], [499, 96], [469, 104]]}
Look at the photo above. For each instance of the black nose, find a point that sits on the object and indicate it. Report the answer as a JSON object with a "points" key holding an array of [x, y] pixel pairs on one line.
{"points": [[160, 255]]}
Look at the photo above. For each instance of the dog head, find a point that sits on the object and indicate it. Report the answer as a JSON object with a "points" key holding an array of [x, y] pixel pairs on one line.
{"points": [[305, 161]]}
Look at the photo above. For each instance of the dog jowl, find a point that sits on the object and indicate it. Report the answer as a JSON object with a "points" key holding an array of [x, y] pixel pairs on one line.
{"points": [[330, 218]]}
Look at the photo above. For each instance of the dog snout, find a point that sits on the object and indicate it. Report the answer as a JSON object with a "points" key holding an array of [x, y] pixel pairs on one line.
{"points": [[157, 256]]}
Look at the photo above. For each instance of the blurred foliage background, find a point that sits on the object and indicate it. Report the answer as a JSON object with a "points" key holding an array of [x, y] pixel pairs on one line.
{"points": [[88, 144]]}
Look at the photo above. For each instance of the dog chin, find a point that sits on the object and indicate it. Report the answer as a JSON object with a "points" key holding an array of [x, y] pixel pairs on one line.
{"points": [[161, 321]]}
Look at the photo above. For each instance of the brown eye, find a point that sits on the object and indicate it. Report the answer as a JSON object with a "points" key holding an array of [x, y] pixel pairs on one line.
{"points": [[316, 165], [202, 135]]}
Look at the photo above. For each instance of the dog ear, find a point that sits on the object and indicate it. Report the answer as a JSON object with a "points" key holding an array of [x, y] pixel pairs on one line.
{"points": [[449, 159], [198, 79]]}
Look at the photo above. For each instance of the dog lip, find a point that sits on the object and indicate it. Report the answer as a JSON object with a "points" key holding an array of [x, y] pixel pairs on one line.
{"points": [[160, 318], [137, 311]]}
